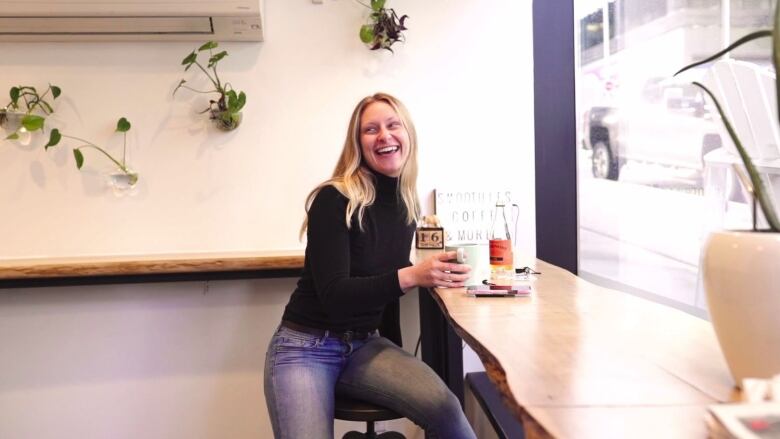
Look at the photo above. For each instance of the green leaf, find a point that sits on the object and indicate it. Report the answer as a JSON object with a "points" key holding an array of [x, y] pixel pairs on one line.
{"points": [[231, 99], [367, 33], [189, 59], [216, 58], [122, 125], [377, 4], [208, 46], [15, 94], [13, 136], [32, 122], [79, 158], [764, 200], [241, 101], [55, 91], [734, 45], [54, 138]]}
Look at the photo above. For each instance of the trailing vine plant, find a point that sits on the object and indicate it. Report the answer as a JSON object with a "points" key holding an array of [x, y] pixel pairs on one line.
{"points": [[26, 99], [385, 27], [226, 109], [122, 126]]}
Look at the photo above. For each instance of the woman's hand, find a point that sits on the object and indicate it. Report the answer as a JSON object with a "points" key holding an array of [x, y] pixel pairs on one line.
{"points": [[435, 271]]}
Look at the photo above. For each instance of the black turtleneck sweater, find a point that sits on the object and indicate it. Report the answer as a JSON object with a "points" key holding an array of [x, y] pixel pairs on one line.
{"points": [[349, 274]]}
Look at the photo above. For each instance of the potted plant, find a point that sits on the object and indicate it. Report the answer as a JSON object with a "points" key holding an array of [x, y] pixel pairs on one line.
{"points": [[124, 177], [225, 111], [27, 111], [741, 269], [385, 27]]}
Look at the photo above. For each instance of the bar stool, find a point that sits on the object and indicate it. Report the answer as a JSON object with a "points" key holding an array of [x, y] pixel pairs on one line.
{"points": [[348, 409]]}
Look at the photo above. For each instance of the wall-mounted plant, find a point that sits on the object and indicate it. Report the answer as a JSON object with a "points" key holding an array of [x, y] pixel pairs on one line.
{"points": [[385, 26], [27, 110], [124, 177], [225, 111]]}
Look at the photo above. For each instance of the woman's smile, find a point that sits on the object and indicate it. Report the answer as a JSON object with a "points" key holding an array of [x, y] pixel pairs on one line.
{"points": [[384, 139]]}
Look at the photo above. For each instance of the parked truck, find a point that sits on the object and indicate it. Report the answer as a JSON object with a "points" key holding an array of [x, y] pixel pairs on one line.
{"points": [[662, 122]]}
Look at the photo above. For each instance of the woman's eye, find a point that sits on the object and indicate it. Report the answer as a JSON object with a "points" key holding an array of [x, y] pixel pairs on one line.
{"points": [[371, 130], [394, 125]]}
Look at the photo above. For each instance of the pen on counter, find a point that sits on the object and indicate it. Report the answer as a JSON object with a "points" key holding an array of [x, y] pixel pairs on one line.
{"points": [[526, 270]]}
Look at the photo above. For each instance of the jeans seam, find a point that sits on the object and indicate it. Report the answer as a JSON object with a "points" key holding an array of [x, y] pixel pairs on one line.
{"points": [[274, 408]]}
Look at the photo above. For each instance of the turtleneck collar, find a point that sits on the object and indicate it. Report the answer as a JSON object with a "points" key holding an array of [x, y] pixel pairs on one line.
{"points": [[386, 187]]}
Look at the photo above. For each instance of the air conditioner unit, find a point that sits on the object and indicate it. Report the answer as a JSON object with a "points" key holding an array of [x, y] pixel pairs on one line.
{"points": [[131, 20]]}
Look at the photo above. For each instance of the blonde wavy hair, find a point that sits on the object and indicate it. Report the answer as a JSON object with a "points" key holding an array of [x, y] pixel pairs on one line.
{"points": [[354, 180]]}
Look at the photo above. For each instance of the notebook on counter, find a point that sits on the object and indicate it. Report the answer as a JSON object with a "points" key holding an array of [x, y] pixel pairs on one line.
{"points": [[744, 421], [498, 290]]}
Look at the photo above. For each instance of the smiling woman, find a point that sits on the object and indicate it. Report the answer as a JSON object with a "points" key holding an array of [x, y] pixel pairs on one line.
{"points": [[384, 139], [340, 331]]}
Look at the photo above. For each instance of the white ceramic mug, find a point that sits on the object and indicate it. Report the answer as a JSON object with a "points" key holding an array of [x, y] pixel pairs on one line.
{"points": [[473, 255]]}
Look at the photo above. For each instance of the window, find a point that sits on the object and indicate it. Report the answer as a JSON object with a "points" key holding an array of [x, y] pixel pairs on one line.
{"points": [[645, 138], [592, 36]]}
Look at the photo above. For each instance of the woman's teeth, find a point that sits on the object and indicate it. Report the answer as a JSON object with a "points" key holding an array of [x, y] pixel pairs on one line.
{"points": [[387, 150]]}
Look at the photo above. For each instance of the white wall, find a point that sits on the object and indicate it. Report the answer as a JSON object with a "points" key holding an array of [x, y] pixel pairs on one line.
{"points": [[168, 360], [177, 360]]}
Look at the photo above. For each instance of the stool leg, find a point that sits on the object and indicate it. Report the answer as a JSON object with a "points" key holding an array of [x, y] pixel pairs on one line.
{"points": [[370, 432]]}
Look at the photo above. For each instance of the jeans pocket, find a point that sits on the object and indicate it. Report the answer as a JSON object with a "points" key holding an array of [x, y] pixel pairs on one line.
{"points": [[290, 338]]}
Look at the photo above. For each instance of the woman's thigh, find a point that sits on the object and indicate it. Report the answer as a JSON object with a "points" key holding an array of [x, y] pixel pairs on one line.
{"points": [[301, 371], [381, 372]]}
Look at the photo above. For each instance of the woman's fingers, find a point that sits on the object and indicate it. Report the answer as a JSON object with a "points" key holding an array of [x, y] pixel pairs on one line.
{"points": [[451, 266], [458, 268], [450, 279], [441, 270], [447, 256]]}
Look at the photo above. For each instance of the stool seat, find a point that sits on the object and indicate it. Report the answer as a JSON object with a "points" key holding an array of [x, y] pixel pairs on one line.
{"points": [[349, 409]]}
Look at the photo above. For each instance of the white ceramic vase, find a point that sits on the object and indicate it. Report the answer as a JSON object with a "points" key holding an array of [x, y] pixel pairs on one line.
{"points": [[741, 272]]}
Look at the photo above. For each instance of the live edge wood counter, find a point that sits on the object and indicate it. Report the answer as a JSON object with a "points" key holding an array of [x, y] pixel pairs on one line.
{"points": [[575, 360], [42, 268]]}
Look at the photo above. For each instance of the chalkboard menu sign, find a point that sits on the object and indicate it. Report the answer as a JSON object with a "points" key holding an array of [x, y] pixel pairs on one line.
{"points": [[467, 214]]}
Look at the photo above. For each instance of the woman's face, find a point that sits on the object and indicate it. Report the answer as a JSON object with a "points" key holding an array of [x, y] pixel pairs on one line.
{"points": [[384, 140]]}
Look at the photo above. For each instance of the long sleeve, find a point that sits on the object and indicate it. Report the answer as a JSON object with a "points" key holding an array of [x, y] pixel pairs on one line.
{"points": [[329, 257], [350, 274]]}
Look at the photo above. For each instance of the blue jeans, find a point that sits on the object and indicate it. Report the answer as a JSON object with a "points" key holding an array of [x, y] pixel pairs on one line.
{"points": [[303, 374]]}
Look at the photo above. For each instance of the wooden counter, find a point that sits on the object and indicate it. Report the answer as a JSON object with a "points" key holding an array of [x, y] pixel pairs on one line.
{"points": [[575, 360], [31, 269]]}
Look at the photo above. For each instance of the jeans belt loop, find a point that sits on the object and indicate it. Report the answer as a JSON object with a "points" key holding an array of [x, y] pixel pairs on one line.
{"points": [[346, 338]]}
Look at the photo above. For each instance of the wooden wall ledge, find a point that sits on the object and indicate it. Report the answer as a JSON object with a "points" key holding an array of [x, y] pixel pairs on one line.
{"points": [[45, 268]]}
